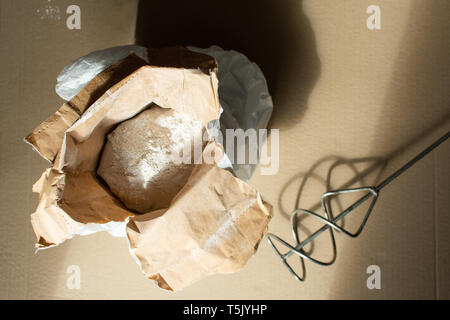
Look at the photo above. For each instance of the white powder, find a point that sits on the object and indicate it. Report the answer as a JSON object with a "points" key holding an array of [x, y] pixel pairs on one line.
{"points": [[137, 162]]}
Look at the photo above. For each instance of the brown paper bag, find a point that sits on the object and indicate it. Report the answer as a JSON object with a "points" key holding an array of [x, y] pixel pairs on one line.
{"points": [[213, 225]]}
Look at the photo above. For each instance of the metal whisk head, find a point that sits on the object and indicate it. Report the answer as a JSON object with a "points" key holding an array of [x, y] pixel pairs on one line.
{"points": [[330, 222]]}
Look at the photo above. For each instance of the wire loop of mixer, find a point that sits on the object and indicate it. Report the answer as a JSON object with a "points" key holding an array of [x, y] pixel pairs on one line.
{"points": [[330, 223]]}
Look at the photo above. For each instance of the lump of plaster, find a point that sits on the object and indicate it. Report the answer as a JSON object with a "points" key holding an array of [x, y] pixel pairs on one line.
{"points": [[138, 162]]}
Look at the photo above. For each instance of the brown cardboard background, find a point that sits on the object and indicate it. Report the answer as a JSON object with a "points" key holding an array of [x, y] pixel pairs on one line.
{"points": [[340, 92]]}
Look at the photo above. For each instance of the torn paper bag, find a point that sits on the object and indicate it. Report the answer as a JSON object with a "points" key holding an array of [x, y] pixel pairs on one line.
{"points": [[218, 219]]}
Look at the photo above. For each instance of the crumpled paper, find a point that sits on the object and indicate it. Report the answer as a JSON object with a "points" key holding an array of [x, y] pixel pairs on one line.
{"points": [[200, 237], [176, 246], [243, 91]]}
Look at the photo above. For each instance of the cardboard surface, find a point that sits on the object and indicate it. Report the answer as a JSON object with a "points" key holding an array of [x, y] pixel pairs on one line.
{"points": [[347, 100]]}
